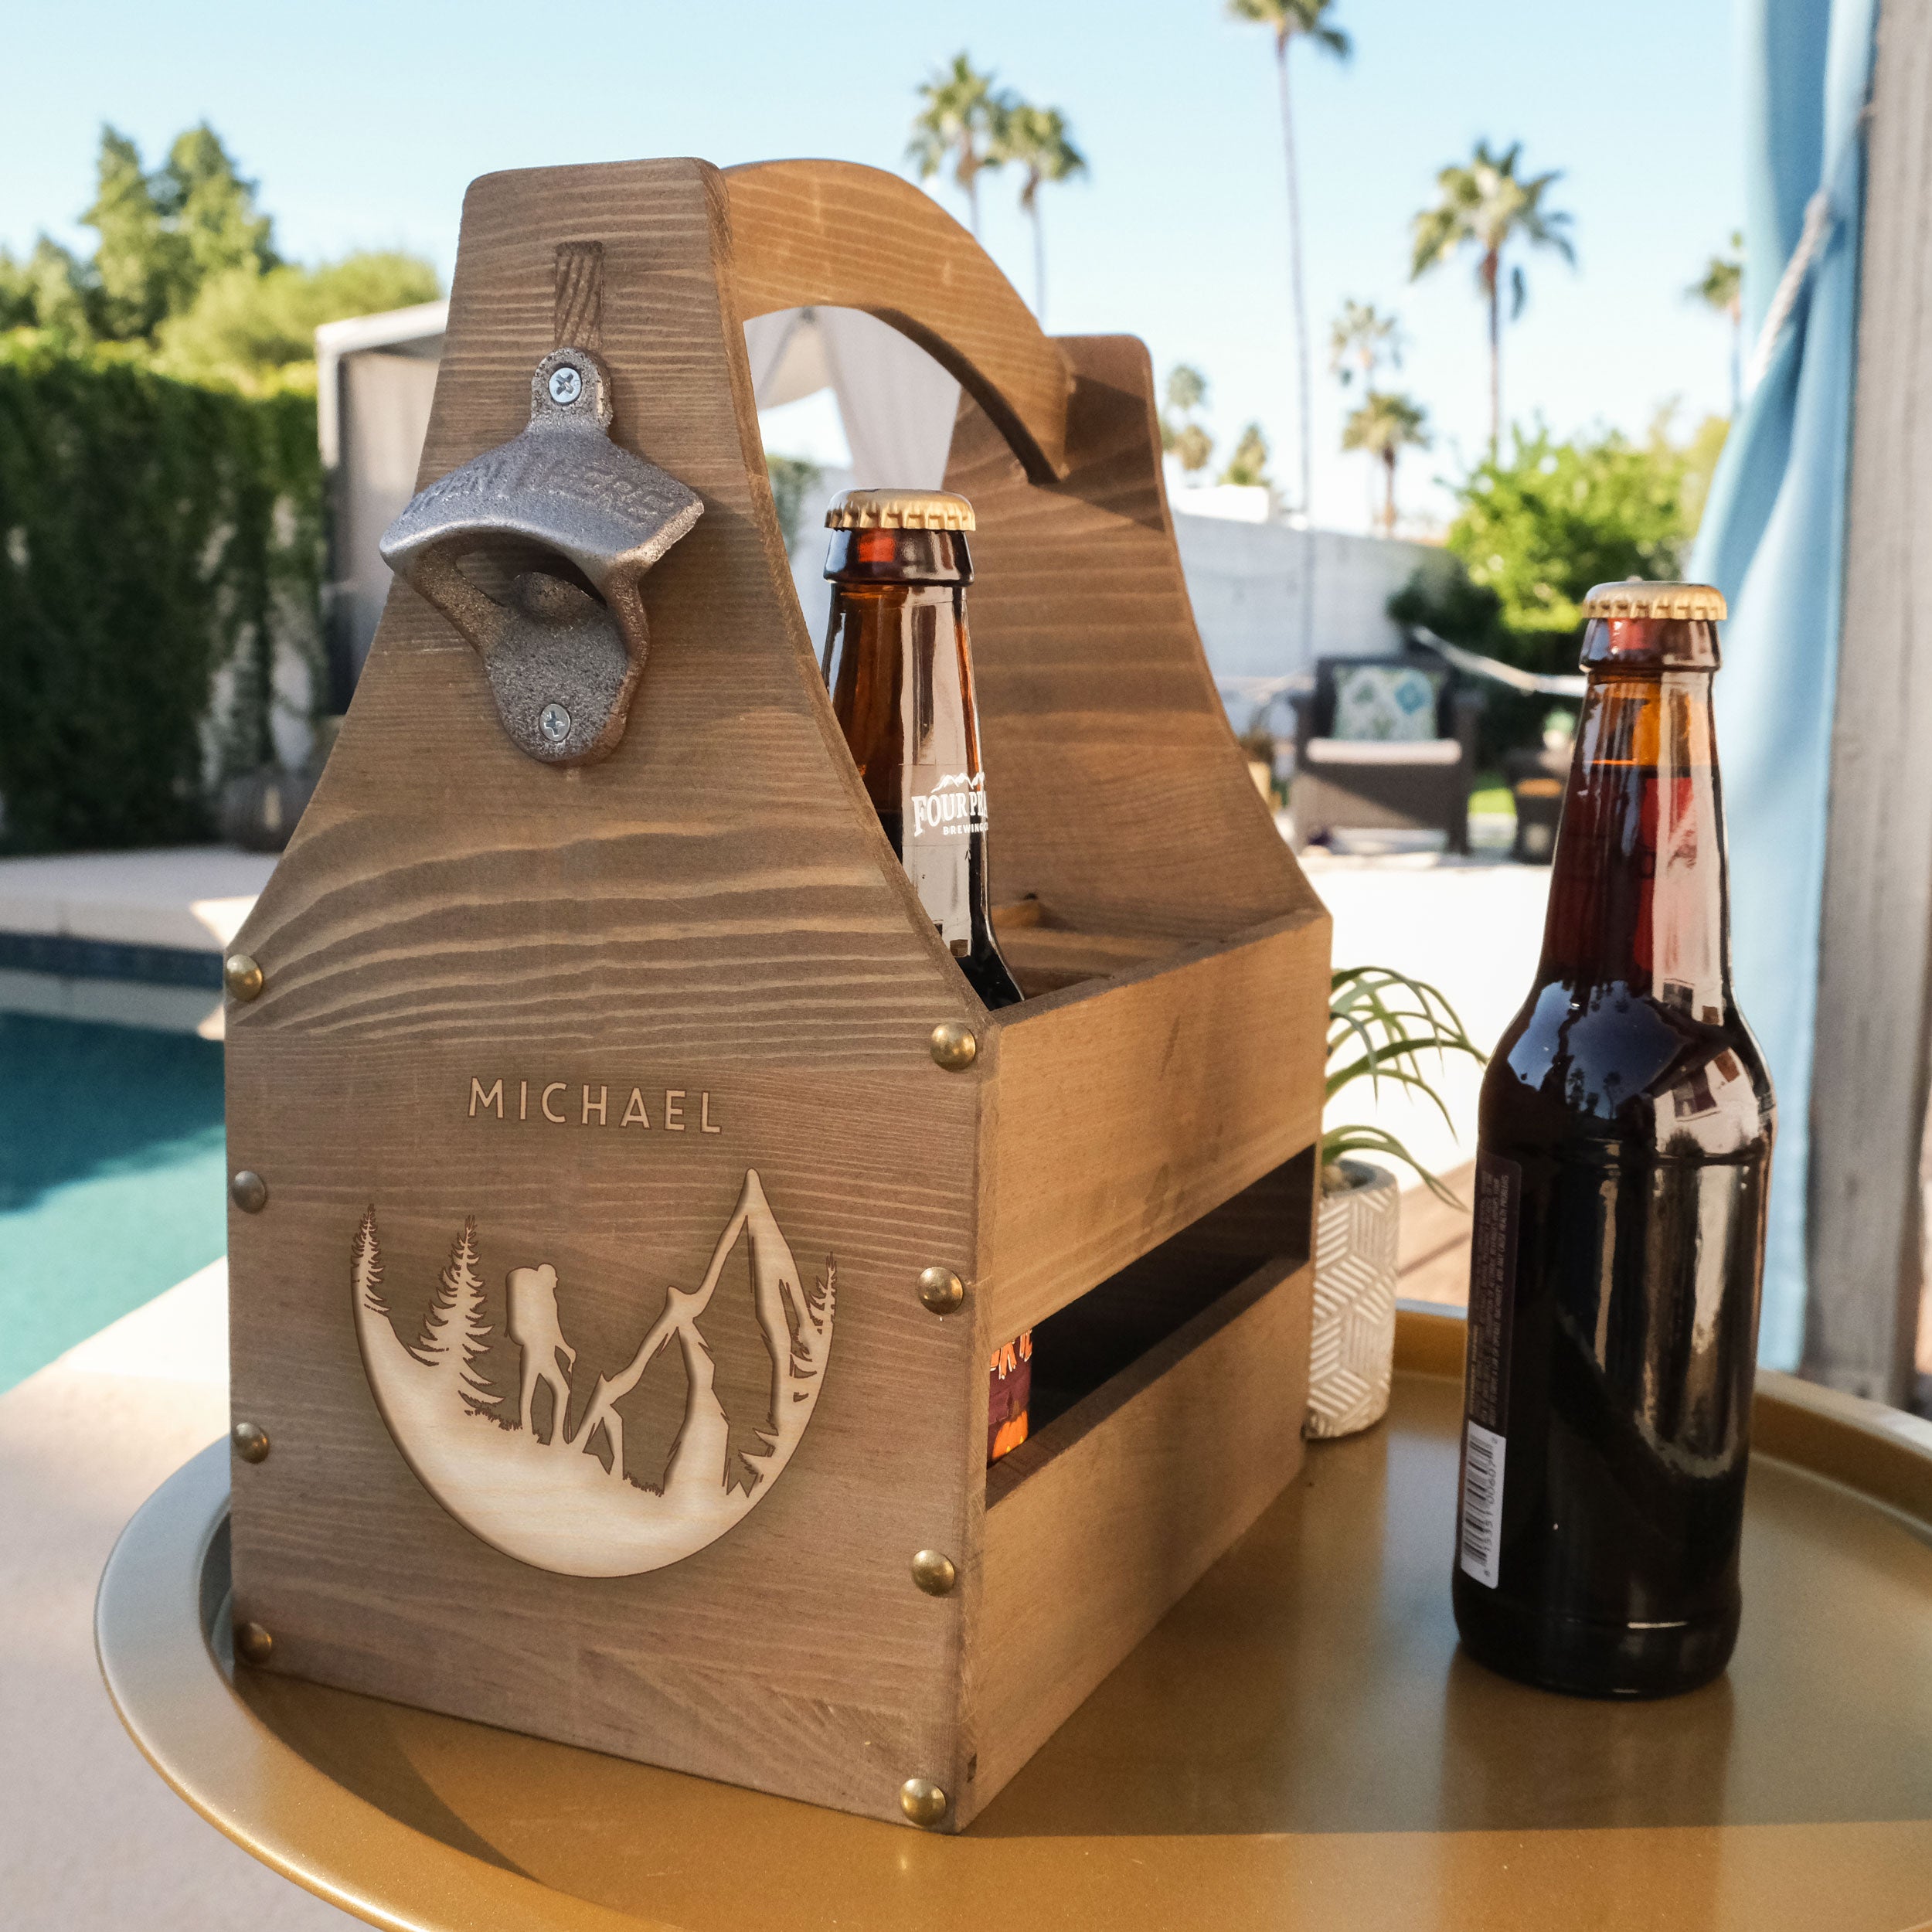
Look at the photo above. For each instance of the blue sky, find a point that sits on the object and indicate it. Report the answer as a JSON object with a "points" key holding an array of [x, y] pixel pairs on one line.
{"points": [[363, 122]]}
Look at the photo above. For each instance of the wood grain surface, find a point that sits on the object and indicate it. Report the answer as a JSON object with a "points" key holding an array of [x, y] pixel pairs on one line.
{"points": [[476, 967], [1125, 1501], [713, 911], [1124, 805]]}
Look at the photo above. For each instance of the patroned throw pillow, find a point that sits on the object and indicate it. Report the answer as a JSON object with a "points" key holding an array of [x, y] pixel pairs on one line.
{"points": [[1390, 703]]}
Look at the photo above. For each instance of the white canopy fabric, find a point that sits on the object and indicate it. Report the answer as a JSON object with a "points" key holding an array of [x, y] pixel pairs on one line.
{"points": [[896, 402]]}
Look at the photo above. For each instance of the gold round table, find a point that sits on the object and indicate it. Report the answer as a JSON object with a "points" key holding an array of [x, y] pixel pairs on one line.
{"points": [[1298, 1744]]}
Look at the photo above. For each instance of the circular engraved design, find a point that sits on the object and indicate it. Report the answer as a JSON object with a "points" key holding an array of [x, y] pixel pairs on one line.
{"points": [[553, 1502]]}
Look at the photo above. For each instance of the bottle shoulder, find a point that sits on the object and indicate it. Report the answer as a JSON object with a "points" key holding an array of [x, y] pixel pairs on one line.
{"points": [[1603, 1061]]}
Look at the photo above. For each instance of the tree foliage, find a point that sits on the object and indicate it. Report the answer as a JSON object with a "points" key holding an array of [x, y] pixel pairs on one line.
{"points": [[1249, 465], [1535, 530], [184, 272], [1286, 18], [1542, 525], [959, 114], [160, 503], [1487, 206], [161, 235], [1037, 141], [257, 332], [158, 541], [1383, 427], [793, 479], [1721, 286], [1182, 435], [1362, 342]]}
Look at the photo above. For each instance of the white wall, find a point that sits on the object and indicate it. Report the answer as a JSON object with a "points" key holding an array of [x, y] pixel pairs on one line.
{"points": [[1246, 580]]}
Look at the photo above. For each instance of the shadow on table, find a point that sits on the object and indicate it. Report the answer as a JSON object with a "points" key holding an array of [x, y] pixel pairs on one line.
{"points": [[1312, 1682]]}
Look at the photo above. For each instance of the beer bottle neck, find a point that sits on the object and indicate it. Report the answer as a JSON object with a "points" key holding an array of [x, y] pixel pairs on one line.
{"points": [[1638, 894], [858, 557]]}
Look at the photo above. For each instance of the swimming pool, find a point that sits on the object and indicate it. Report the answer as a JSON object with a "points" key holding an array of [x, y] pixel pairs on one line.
{"points": [[112, 1176]]}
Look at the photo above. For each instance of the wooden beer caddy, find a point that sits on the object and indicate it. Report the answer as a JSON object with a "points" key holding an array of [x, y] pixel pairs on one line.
{"points": [[545, 1064]]}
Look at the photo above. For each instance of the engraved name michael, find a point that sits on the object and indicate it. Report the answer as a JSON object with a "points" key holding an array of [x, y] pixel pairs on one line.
{"points": [[573, 1103]]}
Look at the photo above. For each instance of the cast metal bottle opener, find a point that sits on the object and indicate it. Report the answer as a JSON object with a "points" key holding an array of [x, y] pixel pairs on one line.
{"points": [[564, 653]]}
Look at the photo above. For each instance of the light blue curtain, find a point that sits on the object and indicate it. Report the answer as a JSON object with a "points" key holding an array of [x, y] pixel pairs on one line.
{"points": [[1773, 541]]}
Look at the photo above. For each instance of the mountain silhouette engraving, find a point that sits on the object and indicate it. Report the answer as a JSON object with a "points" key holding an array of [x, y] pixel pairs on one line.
{"points": [[553, 1503]]}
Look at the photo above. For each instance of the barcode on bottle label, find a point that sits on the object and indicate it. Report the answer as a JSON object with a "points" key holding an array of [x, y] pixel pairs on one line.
{"points": [[1482, 1453]]}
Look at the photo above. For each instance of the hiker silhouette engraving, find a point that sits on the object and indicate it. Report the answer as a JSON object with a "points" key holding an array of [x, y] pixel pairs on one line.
{"points": [[537, 1488]]}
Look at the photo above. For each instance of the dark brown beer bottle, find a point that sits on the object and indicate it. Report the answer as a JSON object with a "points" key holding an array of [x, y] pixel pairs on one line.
{"points": [[1624, 1155], [900, 672]]}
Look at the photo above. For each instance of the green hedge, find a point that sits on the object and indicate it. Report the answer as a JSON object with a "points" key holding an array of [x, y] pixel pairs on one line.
{"points": [[153, 535]]}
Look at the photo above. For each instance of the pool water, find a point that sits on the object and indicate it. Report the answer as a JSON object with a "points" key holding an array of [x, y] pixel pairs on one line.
{"points": [[112, 1176]]}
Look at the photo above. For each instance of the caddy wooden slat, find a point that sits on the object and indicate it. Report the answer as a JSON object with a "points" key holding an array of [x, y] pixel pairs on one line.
{"points": [[478, 971]]}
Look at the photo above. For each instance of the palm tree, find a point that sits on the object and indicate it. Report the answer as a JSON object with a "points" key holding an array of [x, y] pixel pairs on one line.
{"points": [[1248, 466], [1384, 427], [1488, 205], [959, 114], [1289, 20], [1361, 339], [1035, 140], [1181, 437], [1721, 287]]}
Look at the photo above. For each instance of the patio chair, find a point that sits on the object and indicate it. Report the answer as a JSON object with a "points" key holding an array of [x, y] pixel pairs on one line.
{"points": [[1395, 749]]}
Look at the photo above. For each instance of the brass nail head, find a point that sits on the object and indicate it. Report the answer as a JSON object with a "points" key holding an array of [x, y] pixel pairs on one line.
{"points": [[251, 1443], [940, 1289], [934, 1572], [242, 976], [249, 1191], [955, 1045], [919, 1798], [253, 1644]]}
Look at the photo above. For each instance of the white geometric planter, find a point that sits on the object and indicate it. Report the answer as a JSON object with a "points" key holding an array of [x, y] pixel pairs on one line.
{"points": [[1353, 1348]]}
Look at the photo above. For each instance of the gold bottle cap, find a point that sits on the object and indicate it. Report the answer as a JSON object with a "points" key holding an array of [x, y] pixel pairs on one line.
{"points": [[899, 510], [1637, 597]]}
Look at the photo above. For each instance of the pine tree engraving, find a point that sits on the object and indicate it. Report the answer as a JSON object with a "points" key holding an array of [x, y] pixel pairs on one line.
{"points": [[365, 1266], [454, 1331]]}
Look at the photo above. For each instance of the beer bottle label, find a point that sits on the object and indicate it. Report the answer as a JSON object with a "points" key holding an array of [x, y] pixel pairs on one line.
{"points": [[942, 810], [1492, 1290], [944, 805]]}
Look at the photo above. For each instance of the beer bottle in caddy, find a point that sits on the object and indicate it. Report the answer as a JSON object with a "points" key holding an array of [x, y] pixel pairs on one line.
{"points": [[1623, 1164], [898, 663]]}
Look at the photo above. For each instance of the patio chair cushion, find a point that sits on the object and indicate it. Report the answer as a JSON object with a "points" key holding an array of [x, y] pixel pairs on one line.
{"points": [[1385, 703], [1346, 751]]}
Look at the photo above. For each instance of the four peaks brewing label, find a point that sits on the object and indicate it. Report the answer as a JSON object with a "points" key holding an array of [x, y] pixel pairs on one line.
{"points": [[899, 669], [948, 807]]}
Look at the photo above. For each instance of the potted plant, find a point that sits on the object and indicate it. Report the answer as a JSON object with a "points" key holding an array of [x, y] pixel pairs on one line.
{"points": [[1381, 1024]]}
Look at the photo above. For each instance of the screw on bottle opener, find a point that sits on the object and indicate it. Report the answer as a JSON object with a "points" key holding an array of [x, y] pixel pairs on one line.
{"points": [[563, 653]]}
